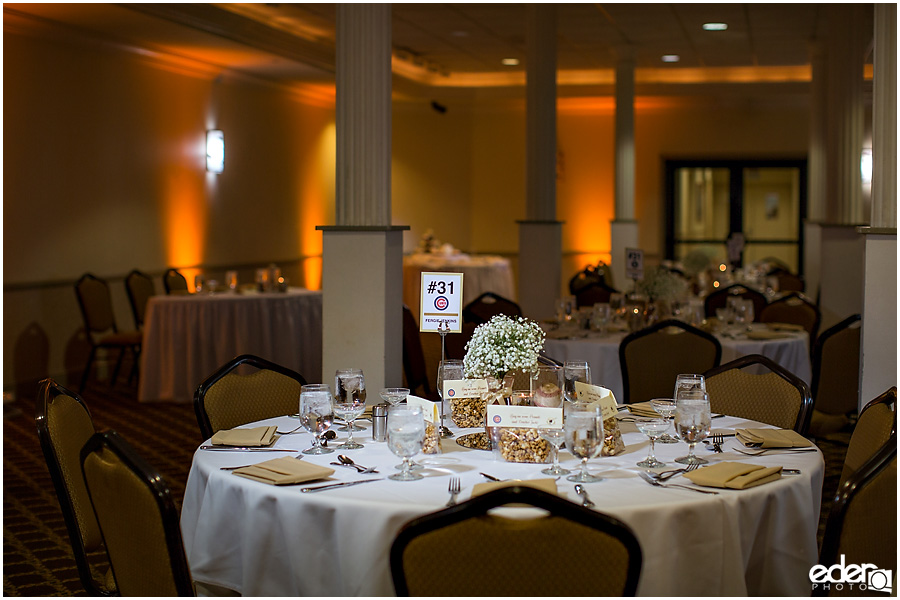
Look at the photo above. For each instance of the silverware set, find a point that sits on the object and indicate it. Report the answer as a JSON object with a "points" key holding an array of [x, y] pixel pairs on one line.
{"points": [[717, 440], [454, 489], [655, 482], [665, 475], [585, 500]]}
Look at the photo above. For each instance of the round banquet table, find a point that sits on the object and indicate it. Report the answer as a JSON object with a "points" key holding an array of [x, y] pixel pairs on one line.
{"points": [[602, 354], [263, 540], [188, 337], [481, 273]]}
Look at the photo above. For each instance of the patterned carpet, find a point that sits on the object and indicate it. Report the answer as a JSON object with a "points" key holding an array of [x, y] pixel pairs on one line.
{"points": [[37, 556]]}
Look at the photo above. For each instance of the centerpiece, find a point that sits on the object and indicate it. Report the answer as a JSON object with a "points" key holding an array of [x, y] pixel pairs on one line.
{"points": [[661, 287]]}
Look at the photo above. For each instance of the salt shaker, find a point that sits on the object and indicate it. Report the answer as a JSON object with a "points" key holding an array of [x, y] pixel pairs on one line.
{"points": [[379, 422]]}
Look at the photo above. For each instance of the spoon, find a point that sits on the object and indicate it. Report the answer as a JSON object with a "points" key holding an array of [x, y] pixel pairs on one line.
{"points": [[585, 501], [346, 460]]}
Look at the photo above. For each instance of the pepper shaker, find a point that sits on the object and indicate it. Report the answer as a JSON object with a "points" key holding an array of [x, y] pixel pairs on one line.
{"points": [[379, 422]]}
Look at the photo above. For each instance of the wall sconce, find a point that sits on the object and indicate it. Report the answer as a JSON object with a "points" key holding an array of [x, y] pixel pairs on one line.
{"points": [[865, 166], [215, 151]]}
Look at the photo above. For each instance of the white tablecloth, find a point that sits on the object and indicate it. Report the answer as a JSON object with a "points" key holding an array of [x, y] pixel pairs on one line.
{"points": [[481, 273], [262, 540], [188, 337], [602, 354]]}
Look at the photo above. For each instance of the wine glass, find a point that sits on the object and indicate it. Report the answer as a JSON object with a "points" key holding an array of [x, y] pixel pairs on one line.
{"points": [[394, 396], [547, 385], [652, 428], [689, 382], [575, 370], [584, 437], [316, 414], [555, 437], [600, 317], [448, 370], [348, 406], [405, 434], [692, 421], [748, 311], [666, 409], [231, 278], [350, 386]]}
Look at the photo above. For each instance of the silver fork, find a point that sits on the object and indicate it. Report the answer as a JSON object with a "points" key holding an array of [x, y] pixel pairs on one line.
{"points": [[652, 481], [454, 489], [717, 440], [669, 474]]}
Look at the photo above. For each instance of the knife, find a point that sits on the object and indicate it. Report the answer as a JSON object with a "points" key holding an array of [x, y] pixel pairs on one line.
{"points": [[491, 477], [245, 449], [335, 485]]}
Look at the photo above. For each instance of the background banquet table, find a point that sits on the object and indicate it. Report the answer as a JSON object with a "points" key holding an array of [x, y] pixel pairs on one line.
{"points": [[602, 354], [188, 337], [481, 273], [262, 540]]}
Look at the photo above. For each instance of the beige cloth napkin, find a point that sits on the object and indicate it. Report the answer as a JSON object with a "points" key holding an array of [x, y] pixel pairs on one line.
{"points": [[772, 438], [733, 475], [784, 327], [546, 485], [284, 471], [764, 334], [643, 409], [256, 436]]}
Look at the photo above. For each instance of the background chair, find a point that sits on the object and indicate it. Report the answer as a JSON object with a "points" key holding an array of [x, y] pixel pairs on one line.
{"points": [[877, 423], [862, 524], [414, 367], [835, 377], [174, 282], [594, 293], [138, 519], [573, 551], [775, 396], [64, 426], [719, 299], [228, 399], [652, 358], [787, 281], [590, 275], [796, 309], [481, 309], [100, 324], [139, 287]]}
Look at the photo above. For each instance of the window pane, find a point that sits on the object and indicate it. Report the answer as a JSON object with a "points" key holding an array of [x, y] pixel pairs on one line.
{"points": [[701, 204], [771, 204]]}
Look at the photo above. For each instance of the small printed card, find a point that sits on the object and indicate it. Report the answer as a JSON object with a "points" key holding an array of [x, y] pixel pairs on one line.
{"points": [[525, 416], [593, 394], [429, 408], [464, 388]]}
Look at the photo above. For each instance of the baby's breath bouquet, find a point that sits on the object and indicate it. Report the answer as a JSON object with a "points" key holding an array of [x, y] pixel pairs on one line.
{"points": [[501, 345], [662, 284]]}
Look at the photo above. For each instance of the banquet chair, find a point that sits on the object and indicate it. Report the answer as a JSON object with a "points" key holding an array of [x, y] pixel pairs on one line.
{"points": [[100, 325], [795, 309], [862, 525], [138, 519], [485, 554], [481, 309], [174, 282], [787, 281], [835, 377], [593, 294], [414, 358], [522, 379], [139, 287], [64, 426], [228, 398], [652, 358], [719, 299], [776, 396], [876, 424]]}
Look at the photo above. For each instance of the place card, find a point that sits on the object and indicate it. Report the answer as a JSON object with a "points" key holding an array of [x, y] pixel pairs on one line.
{"points": [[429, 408], [464, 388], [595, 394], [538, 417]]}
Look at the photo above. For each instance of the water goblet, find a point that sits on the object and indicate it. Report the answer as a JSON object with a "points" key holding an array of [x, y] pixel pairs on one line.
{"points": [[555, 437], [348, 406], [316, 414], [692, 421], [689, 382], [199, 284], [547, 385], [666, 409], [394, 396], [600, 317], [350, 387], [749, 315], [652, 428], [231, 278], [575, 370], [584, 438], [405, 434], [448, 370]]}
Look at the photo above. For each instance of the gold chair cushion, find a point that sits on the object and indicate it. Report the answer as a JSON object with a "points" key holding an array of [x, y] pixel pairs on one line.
{"points": [[237, 399], [766, 398]]}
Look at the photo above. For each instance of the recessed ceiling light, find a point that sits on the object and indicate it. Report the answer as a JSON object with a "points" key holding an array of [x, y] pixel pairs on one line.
{"points": [[715, 26], [510, 62], [670, 58]]}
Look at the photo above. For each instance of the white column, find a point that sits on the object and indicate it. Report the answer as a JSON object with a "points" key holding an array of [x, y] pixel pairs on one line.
{"points": [[884, 117], [362, 272], [624, 229], [816, 171], [540, 234]]}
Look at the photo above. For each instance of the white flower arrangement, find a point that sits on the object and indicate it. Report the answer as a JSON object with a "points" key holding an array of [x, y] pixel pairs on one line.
{"points": [[662, 284], [501, 345]]}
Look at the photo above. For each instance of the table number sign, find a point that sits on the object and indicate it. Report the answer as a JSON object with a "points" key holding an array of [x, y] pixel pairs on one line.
{"points": [[595, 394], [464, 388], [441, 302], [429, 408], [634, 263], [537, 417]]}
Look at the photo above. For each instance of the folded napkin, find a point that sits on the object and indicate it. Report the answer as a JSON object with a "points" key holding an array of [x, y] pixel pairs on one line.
{"points": [[784, 327], [643, 409], [547, 485], [284, 471], [257, 436], [763, 334], [733, 475], [772, 438]]}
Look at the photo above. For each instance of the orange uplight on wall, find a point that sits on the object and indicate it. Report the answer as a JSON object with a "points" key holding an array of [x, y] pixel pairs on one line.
{"points": [[184, 212]]}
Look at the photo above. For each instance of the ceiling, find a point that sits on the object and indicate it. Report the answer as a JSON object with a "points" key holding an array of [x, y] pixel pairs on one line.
{"points": [[447, 43]]}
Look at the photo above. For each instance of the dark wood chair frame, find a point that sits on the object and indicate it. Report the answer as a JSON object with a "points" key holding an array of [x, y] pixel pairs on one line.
{"points": [[803, 298], [469, 316], [736, 289], [819, 348], [173, 273], [132, 300]]}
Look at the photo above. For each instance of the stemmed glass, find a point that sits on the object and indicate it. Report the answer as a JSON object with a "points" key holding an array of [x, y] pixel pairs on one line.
{"points": [[692, 421], [584, 438], [350, 389], [316, 414], [652, 428], [575, 370], [394, 396], [405, 435], [448, 370], [555, 438], [689, 382], [547, 385], [666, 409]]}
